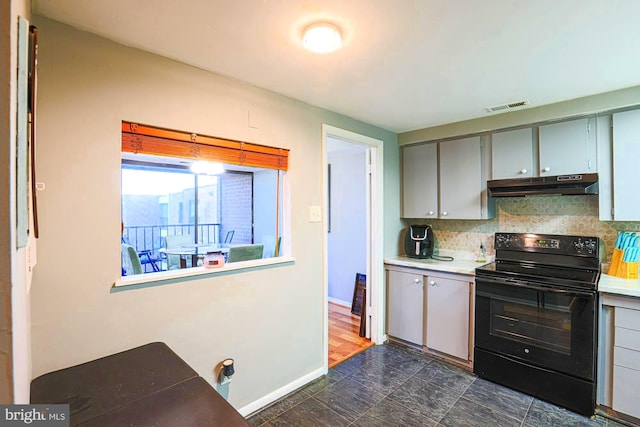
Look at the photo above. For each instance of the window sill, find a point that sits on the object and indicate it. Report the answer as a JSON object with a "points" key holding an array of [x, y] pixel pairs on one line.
{"points": [[174, 276]]}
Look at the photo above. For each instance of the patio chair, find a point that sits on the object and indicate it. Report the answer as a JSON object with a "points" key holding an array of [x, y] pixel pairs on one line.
{"points": [[130, 261], [176, 241], [147, 258], [269, 243]]}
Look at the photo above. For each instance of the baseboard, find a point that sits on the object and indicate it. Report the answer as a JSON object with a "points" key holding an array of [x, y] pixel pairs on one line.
{"points": [[281, 392], [340, 302]]}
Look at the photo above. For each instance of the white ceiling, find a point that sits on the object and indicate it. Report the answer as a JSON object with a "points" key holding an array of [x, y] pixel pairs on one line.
{"points": [[404, 65]]}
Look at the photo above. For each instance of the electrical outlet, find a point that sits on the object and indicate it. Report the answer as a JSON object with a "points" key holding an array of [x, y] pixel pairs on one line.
{"points": [[315, 214]]}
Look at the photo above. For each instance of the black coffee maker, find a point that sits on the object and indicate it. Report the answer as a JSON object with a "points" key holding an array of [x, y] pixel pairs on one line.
{"points": [[418, 241]]}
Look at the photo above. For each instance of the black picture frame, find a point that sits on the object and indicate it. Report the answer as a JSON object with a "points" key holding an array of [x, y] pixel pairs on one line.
{"points": [[329, 198], [31, 109], [359, 294]]}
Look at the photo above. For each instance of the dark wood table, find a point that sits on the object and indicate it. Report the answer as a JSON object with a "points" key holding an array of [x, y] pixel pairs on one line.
{"points": [[145, 386]]}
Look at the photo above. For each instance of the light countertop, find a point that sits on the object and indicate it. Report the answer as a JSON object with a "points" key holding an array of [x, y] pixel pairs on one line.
{"points": [[463, 262], [619, 286]]}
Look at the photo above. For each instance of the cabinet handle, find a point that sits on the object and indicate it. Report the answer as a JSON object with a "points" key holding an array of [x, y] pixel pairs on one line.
{"points": [[445, 213], [417, 280], [431, 212], [547, 169], [523, 171], [432, 283]]}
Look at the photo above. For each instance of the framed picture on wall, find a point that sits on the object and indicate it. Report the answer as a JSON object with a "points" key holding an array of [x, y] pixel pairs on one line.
{"points": [[33, 72], [25, 132], [22, 130], [329, 198]]}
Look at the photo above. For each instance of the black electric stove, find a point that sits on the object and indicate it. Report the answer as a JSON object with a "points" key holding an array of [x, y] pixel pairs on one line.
{"points": [[535, 317]]}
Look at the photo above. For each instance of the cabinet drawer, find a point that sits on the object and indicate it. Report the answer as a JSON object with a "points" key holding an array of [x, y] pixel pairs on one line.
{"points": [[627, 338], [627, 318], [625, 391], [627, 358]]}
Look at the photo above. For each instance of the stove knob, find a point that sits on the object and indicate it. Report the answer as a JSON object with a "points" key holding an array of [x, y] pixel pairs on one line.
{"points": [[503, 241]]}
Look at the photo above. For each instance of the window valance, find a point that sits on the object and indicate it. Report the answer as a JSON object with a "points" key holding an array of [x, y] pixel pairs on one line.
{"points": [[145, 139]]}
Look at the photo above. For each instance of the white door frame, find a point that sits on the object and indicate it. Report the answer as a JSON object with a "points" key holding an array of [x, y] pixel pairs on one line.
{"points": [[375, 267]]}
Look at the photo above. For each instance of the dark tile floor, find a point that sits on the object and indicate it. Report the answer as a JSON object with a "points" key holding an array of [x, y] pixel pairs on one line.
{"points": [[393, 385]]}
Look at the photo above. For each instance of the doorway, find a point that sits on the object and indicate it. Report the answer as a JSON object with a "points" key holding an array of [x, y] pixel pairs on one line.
{"points": [[352, 241]]}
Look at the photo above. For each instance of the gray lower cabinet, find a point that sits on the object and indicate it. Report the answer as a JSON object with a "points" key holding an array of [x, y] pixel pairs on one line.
{"points": [[431, 309], [619, 355], [405, 306], [448, 315], [626, 362]]}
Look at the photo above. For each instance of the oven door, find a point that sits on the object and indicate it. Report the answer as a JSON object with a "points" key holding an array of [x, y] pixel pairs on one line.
{"points": [[551, 328]]}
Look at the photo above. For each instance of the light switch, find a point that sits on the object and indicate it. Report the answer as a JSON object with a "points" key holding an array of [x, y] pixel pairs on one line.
{"points": [[315, 214]]}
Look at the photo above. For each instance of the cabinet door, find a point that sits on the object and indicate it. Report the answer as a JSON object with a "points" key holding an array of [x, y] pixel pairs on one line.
{"points": [[405, 316], [420, 181], [448, 316], [626, 361], [626, 158], [625, 390], [512, 154], [461, 179], [567, 147]]}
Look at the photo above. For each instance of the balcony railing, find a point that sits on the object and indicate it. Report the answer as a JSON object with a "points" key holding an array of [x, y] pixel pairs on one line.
{"points": [[151, 237]]}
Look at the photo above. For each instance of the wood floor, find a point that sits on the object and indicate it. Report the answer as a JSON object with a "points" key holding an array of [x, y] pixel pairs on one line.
{"points": [[344, 341]]}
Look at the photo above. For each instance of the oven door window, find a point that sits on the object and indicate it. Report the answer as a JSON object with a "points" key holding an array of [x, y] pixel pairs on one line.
{"points": [[554, 330], [535, 323]]}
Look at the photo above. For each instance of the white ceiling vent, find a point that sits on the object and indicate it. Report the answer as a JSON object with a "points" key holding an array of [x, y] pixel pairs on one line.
{"points": [[508, 106]]}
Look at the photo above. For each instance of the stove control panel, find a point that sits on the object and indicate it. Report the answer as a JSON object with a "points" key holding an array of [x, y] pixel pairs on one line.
{"points": [[534, 242], [586, 245], [507, 241], [548, 243]]}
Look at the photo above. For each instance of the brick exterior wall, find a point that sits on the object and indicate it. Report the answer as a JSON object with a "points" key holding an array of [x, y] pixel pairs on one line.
{"points": [[232, 207], [236, 208]]}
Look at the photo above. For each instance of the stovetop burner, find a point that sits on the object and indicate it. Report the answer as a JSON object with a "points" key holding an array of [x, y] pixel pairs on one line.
{"points": [[549, 274], [556, 260]]}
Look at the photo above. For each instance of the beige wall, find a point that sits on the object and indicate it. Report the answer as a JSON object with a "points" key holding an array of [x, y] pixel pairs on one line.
{"points": [[575, 107], [6, 60], [15, 358], [269, 321]]}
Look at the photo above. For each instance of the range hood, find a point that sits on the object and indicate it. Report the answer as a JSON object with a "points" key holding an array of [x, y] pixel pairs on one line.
{"points": [[575, 184]]}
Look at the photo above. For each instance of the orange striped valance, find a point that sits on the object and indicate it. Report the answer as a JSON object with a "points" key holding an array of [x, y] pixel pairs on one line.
{"points": [[137, 138]]}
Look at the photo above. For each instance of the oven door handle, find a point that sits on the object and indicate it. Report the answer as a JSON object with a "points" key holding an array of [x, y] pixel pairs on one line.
{"points": [[518, 284]]}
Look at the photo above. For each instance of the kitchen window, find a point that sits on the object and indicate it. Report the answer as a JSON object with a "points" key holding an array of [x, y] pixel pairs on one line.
{"points": [[168, 206]]}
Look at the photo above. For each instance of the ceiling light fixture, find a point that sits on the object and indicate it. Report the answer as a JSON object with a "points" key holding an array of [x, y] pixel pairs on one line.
{"points": [[322, 38]]}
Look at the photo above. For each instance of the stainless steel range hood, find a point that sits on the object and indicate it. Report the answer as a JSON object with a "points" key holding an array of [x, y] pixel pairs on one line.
{"points": [[586, 183]]}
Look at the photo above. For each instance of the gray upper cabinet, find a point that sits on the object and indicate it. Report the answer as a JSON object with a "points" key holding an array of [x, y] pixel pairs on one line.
{"points": [[420, 181], [568, 147], [445, 180], [626, 158], [461, 179], [512, 154]]}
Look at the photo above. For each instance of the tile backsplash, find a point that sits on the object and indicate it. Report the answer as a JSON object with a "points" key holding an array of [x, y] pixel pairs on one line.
{"points": [[573, 215]]}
